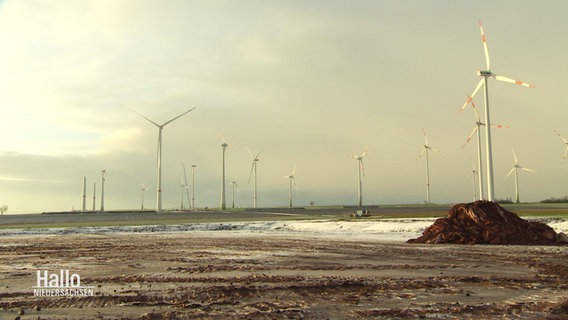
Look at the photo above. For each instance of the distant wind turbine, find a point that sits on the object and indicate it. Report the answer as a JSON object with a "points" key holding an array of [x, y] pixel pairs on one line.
{"points": [[103, 178], [565, 142], [291, 181], [143, 189], [185, 186], [474, 172], [253, 170], [483, 82], [425, 152], [224, 145], [477, 130], [159, 153], [515, 169], [361, 172], [234, 184], [193, 166], [84, 207]]}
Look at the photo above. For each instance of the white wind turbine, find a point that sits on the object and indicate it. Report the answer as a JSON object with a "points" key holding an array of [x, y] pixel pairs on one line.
{"points": [[234, 185], [159, 153], [474, 172], [224, 145], [253, 170], [565, 142], [515, 169], [291, 181], [483, 82], [185, 186], [361, 173], [427, 147], [477, 130], [142, 190]]}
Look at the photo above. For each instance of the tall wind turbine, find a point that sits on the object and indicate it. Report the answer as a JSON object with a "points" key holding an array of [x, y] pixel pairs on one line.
{"points": [[84, 206], [483, 82], [185, 185], [103, 178], [234, 184], [193, 166], [565, 142], [224, 145], [253, 170], [474, 172], [477, 130], [143, 189], [515, 169], [159, 153], [361, 169], [427, 147], [291, 181]]}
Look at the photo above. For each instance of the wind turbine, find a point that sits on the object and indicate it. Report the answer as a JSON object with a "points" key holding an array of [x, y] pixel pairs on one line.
{"points": [[565, 142], [143, 189], [477, 130], [234, 184], [483, 82], [253, 170], [185, 185], [159, 153], [193, 166], [515, 169], [224, 145], [361, 169], [425, 151], [84, 207], [291, 181], [103, 178], [473, 174]]}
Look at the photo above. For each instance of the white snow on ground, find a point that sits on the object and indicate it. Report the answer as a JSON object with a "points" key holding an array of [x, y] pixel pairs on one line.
{"points": [[374, 230]]}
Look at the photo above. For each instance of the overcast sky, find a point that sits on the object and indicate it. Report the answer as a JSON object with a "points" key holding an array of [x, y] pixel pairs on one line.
{"points": [[308, 82]]}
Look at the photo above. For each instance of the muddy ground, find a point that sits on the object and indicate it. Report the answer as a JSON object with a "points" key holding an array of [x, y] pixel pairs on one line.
{"points": [[229, 275]]}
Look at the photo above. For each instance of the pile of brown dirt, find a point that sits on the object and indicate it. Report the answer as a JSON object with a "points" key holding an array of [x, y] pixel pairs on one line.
{"points": [[485, 222]]}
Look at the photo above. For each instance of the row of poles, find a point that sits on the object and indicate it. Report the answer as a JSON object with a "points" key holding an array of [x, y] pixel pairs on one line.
{"points": [[84, 205]]}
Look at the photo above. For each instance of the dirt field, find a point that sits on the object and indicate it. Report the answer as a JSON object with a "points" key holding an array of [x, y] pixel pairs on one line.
{"points": [[229, 275]]}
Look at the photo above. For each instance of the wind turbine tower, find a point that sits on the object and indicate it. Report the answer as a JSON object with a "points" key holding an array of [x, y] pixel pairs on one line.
{"points": [[84, 207], [515, 168], [193, 166], [185, 185], [361, 173], [253, 170], [159, 153], [224, 145], [142, 190], [234, 183], [103, 178], [427, 147], [483, 82], [291, 181]]}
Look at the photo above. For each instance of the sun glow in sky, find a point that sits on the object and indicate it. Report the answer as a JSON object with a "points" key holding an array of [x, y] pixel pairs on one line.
{"points": [[308, 82]]}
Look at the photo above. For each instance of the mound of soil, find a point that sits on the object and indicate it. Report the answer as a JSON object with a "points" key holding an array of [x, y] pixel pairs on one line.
{"points": [[485, 222]]}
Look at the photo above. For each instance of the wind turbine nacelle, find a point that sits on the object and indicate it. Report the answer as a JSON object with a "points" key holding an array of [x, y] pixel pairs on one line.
{"points": [[482, 73]]}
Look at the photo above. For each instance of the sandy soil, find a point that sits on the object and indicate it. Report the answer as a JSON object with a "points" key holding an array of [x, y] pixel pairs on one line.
{"points": [[229, 275]]}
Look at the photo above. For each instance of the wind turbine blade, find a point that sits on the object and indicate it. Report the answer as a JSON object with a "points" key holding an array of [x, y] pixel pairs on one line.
{"points": [[434, 149], [169, 121], [509, 80], [364, 152], [362, 166], [250, 153], [470, 136], [565, 152], [499, 126], [143, 116], [421, 153], [528, 170], [487, 62], [561, 137], [293, 171], [475, 111], [508, 174], [425, 137], [515, 156], [479, 84], [259, 154]]}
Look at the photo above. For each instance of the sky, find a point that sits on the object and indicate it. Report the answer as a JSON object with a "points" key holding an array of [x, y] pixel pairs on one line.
{"points": [[310, 83]]}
